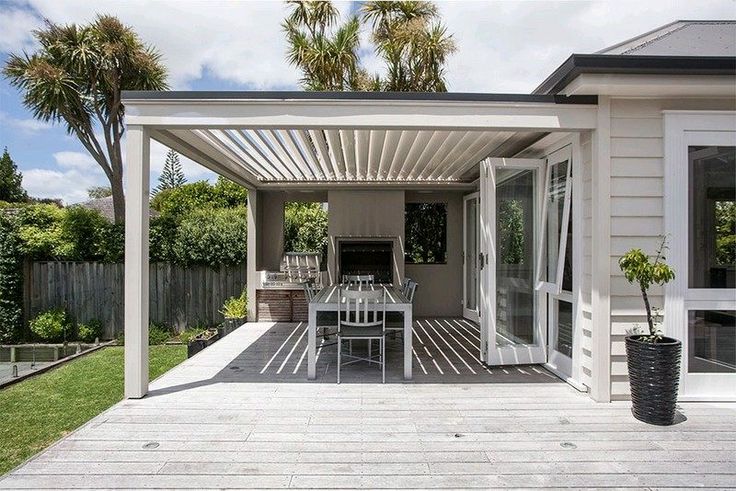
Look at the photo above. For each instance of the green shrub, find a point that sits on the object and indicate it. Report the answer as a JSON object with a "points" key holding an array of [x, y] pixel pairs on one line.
{"points": [[212, 237], [305, 228], [90, 331], [236, 307], [162, 235], [82, 233], [158, 333], [189, 333], [183, 200], [11, 281], [52, 325]]}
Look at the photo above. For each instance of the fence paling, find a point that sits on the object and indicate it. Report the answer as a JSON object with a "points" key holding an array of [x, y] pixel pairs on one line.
{"points": [[178, 296]]}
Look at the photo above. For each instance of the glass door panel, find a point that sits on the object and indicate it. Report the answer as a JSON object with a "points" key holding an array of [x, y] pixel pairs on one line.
{"points": [[471, 267], [515, 294], [510, 202]]}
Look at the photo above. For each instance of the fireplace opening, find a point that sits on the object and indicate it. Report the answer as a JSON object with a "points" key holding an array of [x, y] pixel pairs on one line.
{"points": [[363, 257]]}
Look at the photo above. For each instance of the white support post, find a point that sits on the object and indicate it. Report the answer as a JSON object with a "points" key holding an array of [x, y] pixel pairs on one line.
{"points": [[601, 261], [136, 262], [252, 254]]}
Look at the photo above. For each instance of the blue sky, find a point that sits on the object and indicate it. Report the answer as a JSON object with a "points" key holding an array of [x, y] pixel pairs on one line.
{"points": [[503, 46]]}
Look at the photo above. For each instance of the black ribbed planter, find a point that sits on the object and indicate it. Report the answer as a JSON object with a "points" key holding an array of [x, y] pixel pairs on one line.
{"points": [[654, 376]]}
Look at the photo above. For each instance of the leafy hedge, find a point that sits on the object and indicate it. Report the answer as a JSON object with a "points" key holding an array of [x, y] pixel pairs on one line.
{"points": [[11, 281]]}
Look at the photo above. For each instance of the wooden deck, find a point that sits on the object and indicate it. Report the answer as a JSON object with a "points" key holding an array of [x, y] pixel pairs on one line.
{"points": [[242, 415]]}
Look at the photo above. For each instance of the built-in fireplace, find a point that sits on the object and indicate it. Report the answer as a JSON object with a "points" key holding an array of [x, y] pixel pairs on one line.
{"points": [[366, 256]]}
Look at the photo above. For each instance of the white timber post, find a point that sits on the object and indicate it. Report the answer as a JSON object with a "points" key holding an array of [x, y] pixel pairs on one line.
{"points": [[136, 261], [252, 254], [601, 260]]}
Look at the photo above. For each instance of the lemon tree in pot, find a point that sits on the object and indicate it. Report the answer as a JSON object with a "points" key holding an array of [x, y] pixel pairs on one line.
{"points": [[653, 359], [235, 311]]}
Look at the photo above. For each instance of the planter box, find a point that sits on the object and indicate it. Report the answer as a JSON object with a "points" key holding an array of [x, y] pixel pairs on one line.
{"points": [[229, 325], [654, 377], [201, 341]]}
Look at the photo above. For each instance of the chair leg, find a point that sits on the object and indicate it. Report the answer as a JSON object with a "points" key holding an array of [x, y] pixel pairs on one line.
{"points": [[370, 349], [339, 357], [382, 345]]}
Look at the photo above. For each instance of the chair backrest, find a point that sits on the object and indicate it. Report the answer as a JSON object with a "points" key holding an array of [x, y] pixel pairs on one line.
{"points": [[310, 290], [357, 279], [361, 308], [410, 290], [405, 284]]}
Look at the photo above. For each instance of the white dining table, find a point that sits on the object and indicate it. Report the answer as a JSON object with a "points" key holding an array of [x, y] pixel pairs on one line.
{"points": [[326, 301]]}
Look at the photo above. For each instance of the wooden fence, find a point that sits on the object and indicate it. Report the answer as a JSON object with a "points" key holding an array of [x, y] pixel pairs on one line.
{"points": [[179, 296]]}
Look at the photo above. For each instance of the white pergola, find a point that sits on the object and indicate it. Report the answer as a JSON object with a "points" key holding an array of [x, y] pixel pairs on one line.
{"points": [[301, 140]]}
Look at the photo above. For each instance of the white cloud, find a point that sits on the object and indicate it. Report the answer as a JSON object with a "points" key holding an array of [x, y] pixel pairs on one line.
{"points": [[77, 172], [15, 29], [512, 46], [29, 125], [234, 41]]}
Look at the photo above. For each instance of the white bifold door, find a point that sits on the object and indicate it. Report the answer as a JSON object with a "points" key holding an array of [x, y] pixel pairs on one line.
{"points": [[526, 293]]}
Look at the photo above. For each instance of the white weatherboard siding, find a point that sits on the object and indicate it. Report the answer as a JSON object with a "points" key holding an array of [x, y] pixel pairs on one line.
{"points": [[637, 208]]}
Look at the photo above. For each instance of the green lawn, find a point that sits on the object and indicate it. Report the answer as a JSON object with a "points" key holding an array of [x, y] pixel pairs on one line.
{"points": [[42, 409]]}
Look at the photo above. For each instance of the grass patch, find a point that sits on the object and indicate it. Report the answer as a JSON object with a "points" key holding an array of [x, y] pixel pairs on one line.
{"points": [[40, 410]]}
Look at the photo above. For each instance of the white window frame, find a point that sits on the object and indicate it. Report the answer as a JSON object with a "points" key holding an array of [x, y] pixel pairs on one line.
{"points": [[683, 129], [555, 288]]}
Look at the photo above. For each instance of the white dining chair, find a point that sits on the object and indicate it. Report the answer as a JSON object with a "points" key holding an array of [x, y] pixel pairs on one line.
{"points": [[360, 280], [361, 315]]}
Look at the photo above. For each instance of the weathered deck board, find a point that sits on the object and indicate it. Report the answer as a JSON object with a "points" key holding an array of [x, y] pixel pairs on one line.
{"points": [[242, 415]]}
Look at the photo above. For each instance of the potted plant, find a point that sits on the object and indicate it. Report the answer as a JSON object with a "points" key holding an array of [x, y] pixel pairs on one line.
{"points": [[200, 341], [653, 359], [235, 311]]}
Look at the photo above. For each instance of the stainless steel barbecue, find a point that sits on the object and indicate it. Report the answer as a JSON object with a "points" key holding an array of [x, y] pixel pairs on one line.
{"points": [[295, 269]]}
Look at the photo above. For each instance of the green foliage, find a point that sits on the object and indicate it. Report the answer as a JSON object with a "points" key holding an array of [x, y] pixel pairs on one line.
{"points": [[189, 333], [639, 268], [69, 234], [158, 334], [97, 192], [172, 176], [305, 228], [52, 325], [725, 232], [408, 36], [90, 331], [212, 237], [183, 200], [76, 76], [236, 307], [11, 281], [511, 232], [11, 181], [162, 237], [426, 232], [38, 411]]}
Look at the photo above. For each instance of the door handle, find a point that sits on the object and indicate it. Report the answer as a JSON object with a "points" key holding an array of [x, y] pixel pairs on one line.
{"points": [[481, 257]]}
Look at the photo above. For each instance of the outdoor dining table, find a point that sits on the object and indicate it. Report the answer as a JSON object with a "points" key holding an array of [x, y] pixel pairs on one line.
{"points": [[326, 301]]}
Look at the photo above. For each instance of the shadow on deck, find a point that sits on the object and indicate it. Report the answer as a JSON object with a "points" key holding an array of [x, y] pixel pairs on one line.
{"points": [[446, 350]]}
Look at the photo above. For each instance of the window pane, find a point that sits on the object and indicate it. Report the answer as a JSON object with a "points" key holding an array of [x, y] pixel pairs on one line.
{"points": [[563, 339], [711, 341], [712, 217], [567, 269], [515, 294], [555, 197], [471, 238], [425, 230]]}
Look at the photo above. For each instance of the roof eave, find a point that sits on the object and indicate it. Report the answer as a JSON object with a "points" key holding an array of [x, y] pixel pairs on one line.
{"points": [[577, 64]]}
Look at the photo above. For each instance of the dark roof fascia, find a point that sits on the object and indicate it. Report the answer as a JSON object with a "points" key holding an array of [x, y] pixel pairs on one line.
{"points": [[355, 96], [577, 64]]}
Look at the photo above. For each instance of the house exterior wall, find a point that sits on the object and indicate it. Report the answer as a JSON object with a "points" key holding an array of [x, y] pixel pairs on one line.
{"points": [[365, 213], [272, 222], [637, 208], [440, 286]]}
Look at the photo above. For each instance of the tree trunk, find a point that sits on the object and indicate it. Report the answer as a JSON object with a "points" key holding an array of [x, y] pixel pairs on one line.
{"points": [[118, 196], [650, 321]]}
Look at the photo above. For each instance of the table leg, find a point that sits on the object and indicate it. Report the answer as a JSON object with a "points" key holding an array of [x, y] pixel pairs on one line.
{"points": [[312, 344], [407, 344]]}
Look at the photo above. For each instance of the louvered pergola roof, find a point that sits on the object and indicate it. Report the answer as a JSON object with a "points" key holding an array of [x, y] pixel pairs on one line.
{"points": [[272, 139]]}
